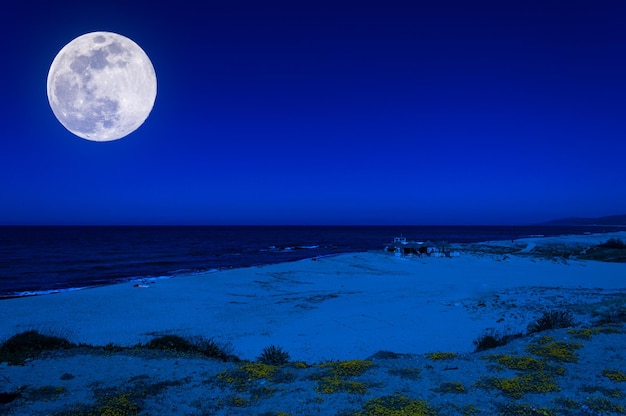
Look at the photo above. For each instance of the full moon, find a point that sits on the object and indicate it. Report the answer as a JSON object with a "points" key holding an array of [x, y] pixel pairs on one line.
{"points": [[101, 86]]}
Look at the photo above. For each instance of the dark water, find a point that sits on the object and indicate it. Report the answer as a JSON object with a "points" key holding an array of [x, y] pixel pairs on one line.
{"points": [[39, 260]]}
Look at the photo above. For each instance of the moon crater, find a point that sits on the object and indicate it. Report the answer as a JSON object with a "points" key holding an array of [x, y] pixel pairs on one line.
{"points": [[101, 86]]}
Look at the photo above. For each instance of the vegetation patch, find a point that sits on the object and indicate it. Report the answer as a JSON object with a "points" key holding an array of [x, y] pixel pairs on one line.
{"points": [[467, 409], [205, 347], [493, 339], [108, 404], [616, 316], [566, 403], [8, 396], [299, 365], [517, 387], [274, 355], [455, 387], [603, 406], [45, 393], [334, 378], [396, 405], [555, 350], [246, 375], [614, 375], [613, 393], [517, 363], [551, 320], [583, 333], [612, 250], [523, 409], [234, 401], [350, 368], [613, 243], [28, 345], [409, 373], [440, 356], [588, 333], [331, 384]]}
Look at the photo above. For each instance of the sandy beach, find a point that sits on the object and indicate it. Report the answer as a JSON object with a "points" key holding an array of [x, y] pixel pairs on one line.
{"points": [[377, 307]]}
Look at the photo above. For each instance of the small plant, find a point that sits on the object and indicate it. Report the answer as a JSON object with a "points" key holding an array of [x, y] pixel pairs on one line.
{"points": [[173, 343], [613, 393], [614, 375], [467, 410], [455, 387], [516, 387], [617, 316], [300, 365], [236, 401], [522, 363], [555, 350], [274, 355], [350, 368], [46, 393], [246, 375], [493, 339], [396, 405], [522, 409], [615, 243], [333, 383], [30, 344], [583, 333], [603, 406], [334, 379], [551, 320], [410, 373], [440, 356], [8, 397], [202, 346], [107, 404], [566, 403]]}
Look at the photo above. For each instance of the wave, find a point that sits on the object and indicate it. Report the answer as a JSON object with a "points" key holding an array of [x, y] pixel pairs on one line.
{"points": [[41, 292], [283, 249]]}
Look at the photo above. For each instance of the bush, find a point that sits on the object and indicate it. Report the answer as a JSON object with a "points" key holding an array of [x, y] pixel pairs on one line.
{"points": [[616, 316], [206, 347], [613, 243], [493, 339], [30, 344], [274, 355], [551, 320], [171, 343]]}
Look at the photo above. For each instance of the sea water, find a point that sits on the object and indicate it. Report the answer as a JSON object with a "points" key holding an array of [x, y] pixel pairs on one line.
{"points": [[37, 260]]}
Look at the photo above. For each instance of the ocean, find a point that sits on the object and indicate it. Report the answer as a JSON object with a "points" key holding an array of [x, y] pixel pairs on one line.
{"points": [[38, 260]]}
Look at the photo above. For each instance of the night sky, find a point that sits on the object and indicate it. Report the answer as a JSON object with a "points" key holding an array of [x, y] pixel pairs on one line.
{"points": [[434, 113]]}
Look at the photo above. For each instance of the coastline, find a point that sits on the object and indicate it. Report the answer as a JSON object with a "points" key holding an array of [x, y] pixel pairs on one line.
{"points": [[343, 307]]}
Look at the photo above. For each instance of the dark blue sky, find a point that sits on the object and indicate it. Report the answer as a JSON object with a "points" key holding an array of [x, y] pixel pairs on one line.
{"points": [[468, 112]]}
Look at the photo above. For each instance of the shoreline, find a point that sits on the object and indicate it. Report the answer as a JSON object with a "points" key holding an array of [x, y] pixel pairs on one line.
{"points": [[385, 317], [462, 246], [320, 295]]}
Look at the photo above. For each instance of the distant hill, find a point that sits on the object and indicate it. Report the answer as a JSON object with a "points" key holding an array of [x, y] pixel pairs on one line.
{"points": [[610, 220]]}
